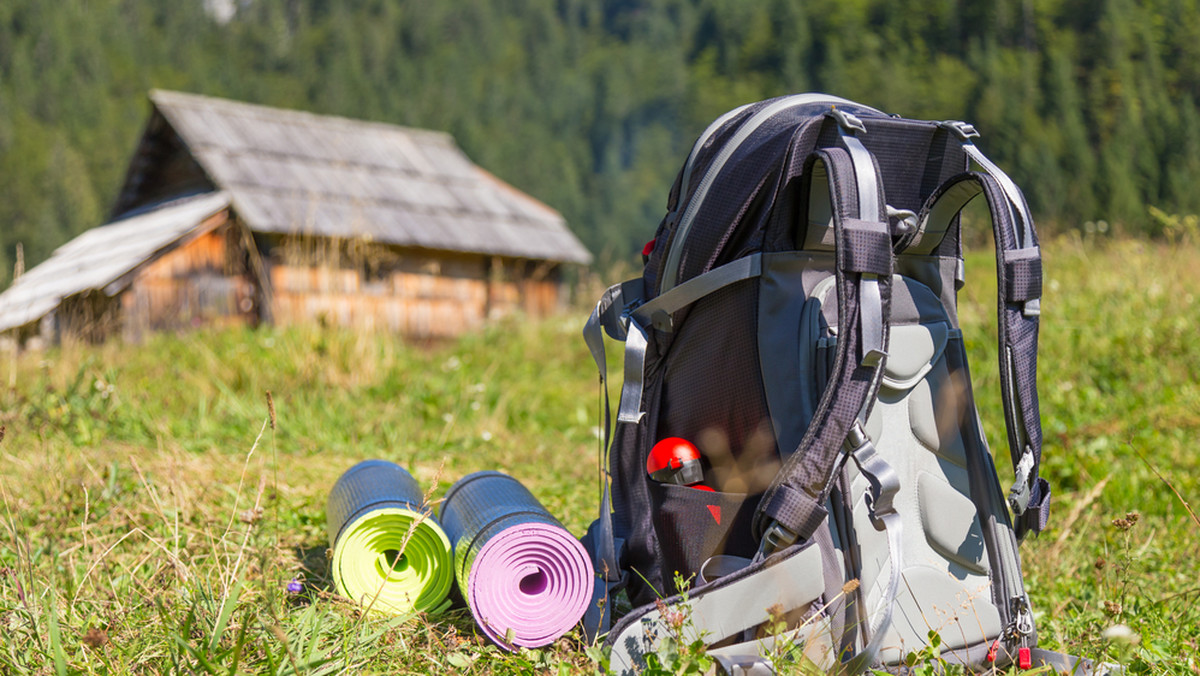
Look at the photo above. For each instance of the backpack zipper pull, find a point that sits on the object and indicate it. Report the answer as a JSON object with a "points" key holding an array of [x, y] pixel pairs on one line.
{"points": [[1018, 631], [1023, 621]]}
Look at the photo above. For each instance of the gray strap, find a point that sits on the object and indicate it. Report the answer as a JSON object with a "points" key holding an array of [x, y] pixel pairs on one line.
{"points": [[738, 661], [658, 310], [630, 410], [870, 301], [607, 315], [884, 483], [1062, 663], [611, 315]]}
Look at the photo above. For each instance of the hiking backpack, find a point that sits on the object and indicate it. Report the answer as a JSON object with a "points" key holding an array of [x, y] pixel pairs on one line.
{"points": [[796, 320]]}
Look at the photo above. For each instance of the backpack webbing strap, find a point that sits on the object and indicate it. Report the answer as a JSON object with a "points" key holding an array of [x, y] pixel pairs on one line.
{"points": [[1062, 663], [1019, 290], [612, 315], [884, 483], [609, 315], [867, 244], [789, 508], [657, 312]]}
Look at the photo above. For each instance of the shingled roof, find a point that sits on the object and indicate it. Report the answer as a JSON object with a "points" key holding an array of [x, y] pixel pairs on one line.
{"points": [[102, 258], [290, 172]]}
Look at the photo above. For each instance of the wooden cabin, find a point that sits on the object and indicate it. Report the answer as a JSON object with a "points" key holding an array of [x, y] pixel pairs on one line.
{"points": [[232, 213]]}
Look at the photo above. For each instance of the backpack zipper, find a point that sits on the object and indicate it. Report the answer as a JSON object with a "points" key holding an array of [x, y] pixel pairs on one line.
{"points": [[1020, 625]]}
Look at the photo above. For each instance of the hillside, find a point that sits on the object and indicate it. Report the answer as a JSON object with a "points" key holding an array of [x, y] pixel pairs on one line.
{"points": [[591, 106]]}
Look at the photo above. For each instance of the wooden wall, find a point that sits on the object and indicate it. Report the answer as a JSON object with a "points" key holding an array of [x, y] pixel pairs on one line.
{"points": [[212, 279], [203, 282], [415, 293]]}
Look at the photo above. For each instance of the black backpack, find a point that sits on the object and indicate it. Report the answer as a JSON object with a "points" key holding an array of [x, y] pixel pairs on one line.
{"points": [[798, 311]]}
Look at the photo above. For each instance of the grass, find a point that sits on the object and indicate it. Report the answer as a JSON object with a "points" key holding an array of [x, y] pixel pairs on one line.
{"points": [[155, 509]]}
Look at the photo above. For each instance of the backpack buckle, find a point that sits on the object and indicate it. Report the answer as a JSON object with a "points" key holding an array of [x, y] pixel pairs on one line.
{"points": [[964, 131], [847, 121], [1020, 493], [775, 538]]}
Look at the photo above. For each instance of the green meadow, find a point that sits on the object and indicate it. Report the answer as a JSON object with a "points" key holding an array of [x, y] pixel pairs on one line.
{"points": [[157, 499]]}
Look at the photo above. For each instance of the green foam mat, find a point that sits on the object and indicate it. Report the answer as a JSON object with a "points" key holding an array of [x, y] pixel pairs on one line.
{"points": [[372, 510]]}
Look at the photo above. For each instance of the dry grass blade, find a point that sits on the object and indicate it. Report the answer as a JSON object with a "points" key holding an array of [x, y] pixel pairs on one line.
{"points": [[1169, 485], [1076, 512], [426, 510], [175, 562]]}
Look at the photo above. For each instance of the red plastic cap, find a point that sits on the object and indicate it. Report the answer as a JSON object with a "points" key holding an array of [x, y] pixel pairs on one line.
{"points": [[1025, 658], [671, 452]]}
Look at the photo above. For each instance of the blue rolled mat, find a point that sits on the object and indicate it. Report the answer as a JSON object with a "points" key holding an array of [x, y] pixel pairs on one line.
{"points": [[389, 553], [526, 579]]}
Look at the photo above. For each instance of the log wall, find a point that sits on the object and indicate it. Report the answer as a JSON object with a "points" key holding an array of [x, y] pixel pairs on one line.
{"points": [[204, 282], [415, 293]]}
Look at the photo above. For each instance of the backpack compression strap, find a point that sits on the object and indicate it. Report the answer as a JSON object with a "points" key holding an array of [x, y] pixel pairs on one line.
{"points": [[1019, 290], [793, 506], [601, 541]]}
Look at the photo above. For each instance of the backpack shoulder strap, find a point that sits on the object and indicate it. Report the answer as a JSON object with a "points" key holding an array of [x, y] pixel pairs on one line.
{"points": [[1019, 290], [793, 506]]}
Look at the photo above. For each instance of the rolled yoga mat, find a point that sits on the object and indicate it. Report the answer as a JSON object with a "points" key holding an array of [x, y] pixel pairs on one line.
{"points": [[370, 511], [525, 578]]}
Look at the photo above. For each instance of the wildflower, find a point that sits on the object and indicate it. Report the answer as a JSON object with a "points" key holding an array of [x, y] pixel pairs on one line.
{"points": [[295, 587], [1120, 633], [1131, 518], [673, 618]]}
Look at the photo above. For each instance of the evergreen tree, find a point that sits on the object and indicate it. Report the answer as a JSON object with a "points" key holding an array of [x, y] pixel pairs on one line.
{"points": [[592, 106]]}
